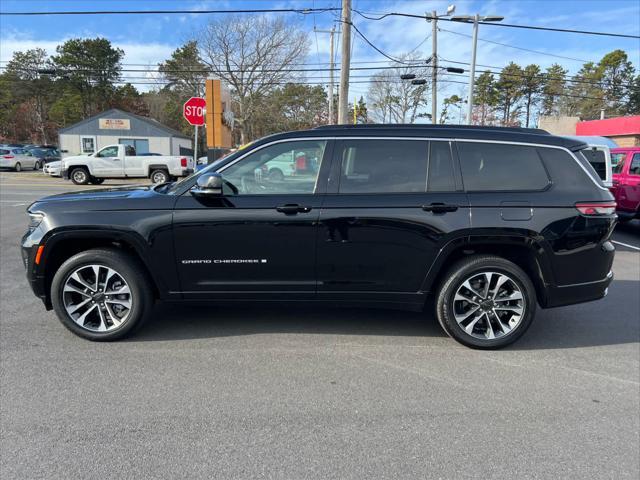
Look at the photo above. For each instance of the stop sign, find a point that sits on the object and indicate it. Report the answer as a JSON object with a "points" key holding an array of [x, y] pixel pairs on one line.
{"points": [[193, 110]]}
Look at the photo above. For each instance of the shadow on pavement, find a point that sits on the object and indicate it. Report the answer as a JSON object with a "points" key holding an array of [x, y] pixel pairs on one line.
{"points": [[584, 325]]}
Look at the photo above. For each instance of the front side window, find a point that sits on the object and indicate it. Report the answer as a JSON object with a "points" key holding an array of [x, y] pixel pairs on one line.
{"points": [[382, 166], [501, 167], [278, 169], [108, 152], [617, 162], [634, 168]]}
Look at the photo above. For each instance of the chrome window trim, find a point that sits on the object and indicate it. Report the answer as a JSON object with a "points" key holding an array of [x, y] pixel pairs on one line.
{"points": [[422, 139]]}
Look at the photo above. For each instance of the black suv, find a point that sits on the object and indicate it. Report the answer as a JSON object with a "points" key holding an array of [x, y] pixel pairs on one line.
{"points": [[491, 221]]}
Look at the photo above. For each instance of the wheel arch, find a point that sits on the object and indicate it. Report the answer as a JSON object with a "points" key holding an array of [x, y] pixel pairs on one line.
{"points": [[521, 249], [153, 167], [61, 246]]}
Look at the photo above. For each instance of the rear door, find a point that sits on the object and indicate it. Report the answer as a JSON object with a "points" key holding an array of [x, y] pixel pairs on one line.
{"points": [[384, 219]]}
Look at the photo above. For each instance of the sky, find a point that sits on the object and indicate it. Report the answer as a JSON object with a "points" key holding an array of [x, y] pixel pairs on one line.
{"points": [[150, 39]]}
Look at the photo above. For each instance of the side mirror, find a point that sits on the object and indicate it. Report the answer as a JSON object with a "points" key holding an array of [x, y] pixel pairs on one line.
{"points": [[208, 185]]}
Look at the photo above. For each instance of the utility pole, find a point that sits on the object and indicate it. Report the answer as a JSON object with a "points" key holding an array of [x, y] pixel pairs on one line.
{"points": [[472, 71], [434, 67], [345, 63], [332, 66], [474, 45]]}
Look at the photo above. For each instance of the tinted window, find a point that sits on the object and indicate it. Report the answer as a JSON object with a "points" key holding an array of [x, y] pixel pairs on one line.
{"points": [[440, 178], [617, 162], [282, 168], [493, 166], [4, 152], [634, 168], [382, 166]]}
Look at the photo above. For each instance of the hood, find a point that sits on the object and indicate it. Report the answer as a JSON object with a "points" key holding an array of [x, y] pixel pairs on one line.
{"points": [[100, 194]]}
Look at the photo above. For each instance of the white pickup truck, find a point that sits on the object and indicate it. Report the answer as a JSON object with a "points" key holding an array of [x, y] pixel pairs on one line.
{"points": [[121, 161]]}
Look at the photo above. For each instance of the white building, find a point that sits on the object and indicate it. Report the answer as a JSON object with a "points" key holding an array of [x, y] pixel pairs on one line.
{"points": [[119, 127]]}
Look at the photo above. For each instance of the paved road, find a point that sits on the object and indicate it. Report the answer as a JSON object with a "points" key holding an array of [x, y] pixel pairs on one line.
{"points": [[225, 392]]}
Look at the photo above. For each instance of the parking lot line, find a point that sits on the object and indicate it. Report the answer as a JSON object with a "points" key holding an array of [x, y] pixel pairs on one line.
{"points": [[633, 247]]}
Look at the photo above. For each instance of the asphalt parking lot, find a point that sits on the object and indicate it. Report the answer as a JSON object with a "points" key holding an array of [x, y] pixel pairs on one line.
{"points": [[239, 392]]}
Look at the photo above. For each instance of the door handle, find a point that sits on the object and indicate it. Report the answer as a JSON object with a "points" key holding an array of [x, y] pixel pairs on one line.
{"points": [[440, 207], [292, 209]]}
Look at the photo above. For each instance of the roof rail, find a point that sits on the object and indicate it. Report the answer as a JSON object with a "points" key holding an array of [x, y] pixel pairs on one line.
{"points": [[427, 126]]}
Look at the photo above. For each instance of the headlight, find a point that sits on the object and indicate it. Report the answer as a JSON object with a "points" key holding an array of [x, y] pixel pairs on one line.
{"points": [[34, 220]]}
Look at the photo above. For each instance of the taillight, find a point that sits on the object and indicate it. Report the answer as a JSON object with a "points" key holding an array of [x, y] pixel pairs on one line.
{"points": [[8, 157], [592, 208], [183, 162]]}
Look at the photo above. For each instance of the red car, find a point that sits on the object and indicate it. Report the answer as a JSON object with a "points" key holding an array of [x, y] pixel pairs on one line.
{"points": [[626, 182]]}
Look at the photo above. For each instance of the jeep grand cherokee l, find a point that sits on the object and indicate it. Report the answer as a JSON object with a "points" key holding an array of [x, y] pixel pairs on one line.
{"points": [[492, 222]]}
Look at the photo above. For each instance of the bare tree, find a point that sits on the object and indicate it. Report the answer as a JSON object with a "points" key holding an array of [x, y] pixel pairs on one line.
{"points": [[253, 55], [392, 100]]}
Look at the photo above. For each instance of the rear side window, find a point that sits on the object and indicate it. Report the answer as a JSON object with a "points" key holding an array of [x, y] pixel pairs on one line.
{"points": [[4, 152], [501, 167], [617, 162], [440, 178], [382, 166], [634, 168]]}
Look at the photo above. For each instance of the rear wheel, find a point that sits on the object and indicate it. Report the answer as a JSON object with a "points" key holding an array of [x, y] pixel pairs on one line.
{"points": [[101, 295], [17, 167], [486, 302], [79, 176], [159, 176]]}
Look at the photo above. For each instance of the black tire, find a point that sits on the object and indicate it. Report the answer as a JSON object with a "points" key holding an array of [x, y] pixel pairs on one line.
{"points": [[129, 268], [18, 167], [79, 176], [159, 176], [96, 181], [37, 165], [463, 270], [276, 175]]}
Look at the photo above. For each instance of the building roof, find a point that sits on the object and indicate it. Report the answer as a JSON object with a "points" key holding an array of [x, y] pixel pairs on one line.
{"points": [[610, 127], [504, 134], [107, 113]]}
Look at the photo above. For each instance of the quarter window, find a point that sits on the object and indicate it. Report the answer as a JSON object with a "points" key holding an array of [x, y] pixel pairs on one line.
{"points": [[634, 168], [501, 167], [279, 169], [382, 166]]}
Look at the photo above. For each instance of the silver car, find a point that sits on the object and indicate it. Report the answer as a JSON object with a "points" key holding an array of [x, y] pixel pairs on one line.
{"points": [[18, 159]]}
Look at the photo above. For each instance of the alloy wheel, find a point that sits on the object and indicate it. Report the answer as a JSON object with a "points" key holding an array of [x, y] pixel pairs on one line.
{"points": [[489, 305], [97, 298], [80, 176]]}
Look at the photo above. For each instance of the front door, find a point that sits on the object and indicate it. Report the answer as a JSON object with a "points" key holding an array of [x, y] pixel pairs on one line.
{"points": [[106, 163], [384, 219], [257, 240]]}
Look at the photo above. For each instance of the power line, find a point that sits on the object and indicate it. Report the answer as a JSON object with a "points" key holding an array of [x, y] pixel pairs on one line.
{"points": [[507, 25], [303, 11], [515, 47]]}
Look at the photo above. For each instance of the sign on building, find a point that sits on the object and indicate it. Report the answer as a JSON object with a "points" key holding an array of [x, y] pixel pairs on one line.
{"points": [[114, 124]]}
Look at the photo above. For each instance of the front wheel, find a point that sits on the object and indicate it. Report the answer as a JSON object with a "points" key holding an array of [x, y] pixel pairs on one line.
{"points": [[37, 165], [486, 302], [101, 294], [79, 176]]}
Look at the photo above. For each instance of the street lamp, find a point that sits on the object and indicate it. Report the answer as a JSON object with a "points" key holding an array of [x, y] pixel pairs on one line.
{"points": [[474, 43]]}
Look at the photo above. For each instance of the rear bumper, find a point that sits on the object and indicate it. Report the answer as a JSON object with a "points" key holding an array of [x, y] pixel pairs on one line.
{"points": [[558, 296]]}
